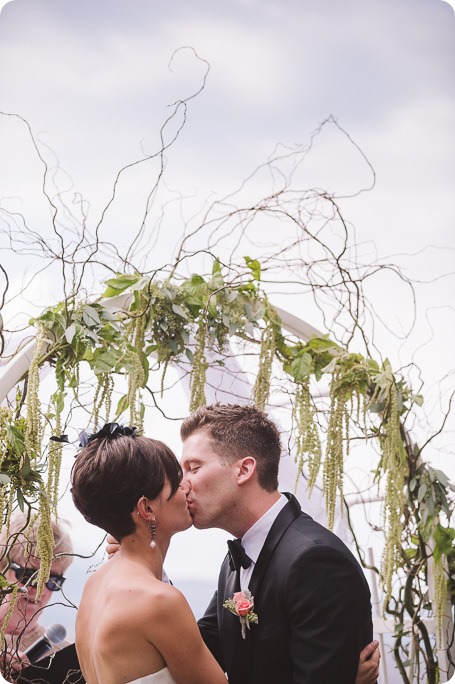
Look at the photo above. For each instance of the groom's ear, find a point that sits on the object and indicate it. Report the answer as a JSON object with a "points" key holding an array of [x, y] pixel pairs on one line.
{"points": [[247, 468]]}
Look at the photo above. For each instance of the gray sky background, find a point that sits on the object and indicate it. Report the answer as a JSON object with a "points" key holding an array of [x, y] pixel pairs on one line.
{"points": [[93, 81]]}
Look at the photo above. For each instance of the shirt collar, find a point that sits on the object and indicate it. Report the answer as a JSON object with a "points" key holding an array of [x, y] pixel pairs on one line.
{"points": [[253, 540]]}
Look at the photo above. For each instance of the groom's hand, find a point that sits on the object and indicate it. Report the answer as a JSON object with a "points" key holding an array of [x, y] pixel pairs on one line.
{"points": [[112, 546], [368, 671]]}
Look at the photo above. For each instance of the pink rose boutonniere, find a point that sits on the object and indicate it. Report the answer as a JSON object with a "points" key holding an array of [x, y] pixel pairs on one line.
{"points": [[242, 604]]}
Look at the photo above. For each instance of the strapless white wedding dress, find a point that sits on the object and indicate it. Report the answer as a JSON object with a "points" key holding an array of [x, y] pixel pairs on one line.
{"points": [[161, 677]]}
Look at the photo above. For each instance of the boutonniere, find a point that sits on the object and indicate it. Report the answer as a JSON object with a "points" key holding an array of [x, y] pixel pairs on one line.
{"points": [[242, 604]]}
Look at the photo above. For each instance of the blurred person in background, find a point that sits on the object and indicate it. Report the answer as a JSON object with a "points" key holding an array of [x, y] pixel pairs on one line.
{"points": [[19, 564]]}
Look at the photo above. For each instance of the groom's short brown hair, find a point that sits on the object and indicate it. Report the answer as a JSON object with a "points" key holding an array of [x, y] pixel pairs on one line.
{"points": [[237, 431]]}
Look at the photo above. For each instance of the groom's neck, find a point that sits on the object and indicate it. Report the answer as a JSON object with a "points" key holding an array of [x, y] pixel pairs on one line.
{"points": [[251, 507]]}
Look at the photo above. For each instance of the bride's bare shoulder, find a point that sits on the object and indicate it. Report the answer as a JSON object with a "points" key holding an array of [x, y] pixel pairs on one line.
{"points": [[162, 600]]}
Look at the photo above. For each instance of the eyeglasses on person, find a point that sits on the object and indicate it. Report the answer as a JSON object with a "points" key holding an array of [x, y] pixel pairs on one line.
{"points": [[24, 575]]}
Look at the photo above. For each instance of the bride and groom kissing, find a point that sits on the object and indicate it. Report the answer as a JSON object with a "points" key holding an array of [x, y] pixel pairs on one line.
{"points": [[292, 604]]}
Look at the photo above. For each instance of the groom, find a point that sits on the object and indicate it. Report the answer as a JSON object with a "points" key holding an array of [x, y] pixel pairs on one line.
{"points": [[310, 595]]}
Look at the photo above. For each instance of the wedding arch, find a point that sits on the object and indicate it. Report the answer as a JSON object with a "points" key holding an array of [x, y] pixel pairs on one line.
{"points": [[123, 322]]}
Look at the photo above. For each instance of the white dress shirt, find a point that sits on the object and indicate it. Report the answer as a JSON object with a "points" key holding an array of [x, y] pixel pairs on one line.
{"points": [[253, 540]]}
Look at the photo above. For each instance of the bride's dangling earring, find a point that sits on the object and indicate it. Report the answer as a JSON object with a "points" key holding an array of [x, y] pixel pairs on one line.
{"points": [[153, 534]]}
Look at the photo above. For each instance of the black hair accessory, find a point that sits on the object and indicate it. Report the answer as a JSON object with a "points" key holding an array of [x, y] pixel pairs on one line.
{"points": [[63, 439], [109, 430]]}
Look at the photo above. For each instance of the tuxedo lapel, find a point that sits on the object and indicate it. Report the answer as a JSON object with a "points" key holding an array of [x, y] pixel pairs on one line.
{"points": [[286, 516], [237, 650]]}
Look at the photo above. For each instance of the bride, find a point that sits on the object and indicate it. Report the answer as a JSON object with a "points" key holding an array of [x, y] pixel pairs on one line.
{"points": [[133, 627]]}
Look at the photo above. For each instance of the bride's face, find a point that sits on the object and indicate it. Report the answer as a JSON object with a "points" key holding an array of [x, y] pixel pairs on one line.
{"points": [[174, 514]]}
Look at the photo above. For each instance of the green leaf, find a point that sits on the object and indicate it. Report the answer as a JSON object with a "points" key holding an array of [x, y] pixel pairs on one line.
{"points": [[92, 335], [216, 267], [179, 311], [321, 343], [33, 476], [443, 538], [197, 279], [421, 492], [16, 439], [330, 366], [137, 304], [212, 310], [4, 478], [301, 366], [249, 328], [442, 477], [417, 399], [216, 282], [247, 287], [70, 332], [20, 499], [232, 328], [119, 284], [254, 266], [88, 354], [121, 406], [425, 527], [59, 401], [91, 317], [108, 315], [104, 362]]}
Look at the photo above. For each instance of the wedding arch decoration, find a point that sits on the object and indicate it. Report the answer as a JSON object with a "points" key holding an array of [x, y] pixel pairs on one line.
{"points": [[123, 321]]}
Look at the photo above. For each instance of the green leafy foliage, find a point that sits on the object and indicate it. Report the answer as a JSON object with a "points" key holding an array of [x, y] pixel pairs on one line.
{"points": [[187, 319], [119, 284]]}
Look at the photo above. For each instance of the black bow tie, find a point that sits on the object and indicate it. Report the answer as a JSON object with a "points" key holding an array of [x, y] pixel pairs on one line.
{"points": [[237, 555]]}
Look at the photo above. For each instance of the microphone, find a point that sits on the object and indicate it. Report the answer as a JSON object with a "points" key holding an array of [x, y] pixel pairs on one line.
{"points": [[43, 646]]}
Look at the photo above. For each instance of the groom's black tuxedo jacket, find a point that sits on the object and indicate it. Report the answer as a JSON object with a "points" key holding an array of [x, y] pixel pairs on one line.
{"points": [[313, 607]]}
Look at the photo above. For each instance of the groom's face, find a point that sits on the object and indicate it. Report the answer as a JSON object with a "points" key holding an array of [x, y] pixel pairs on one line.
{"points": [[212, 485]]}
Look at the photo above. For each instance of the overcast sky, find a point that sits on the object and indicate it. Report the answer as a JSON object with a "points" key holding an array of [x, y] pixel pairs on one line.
{"points": [[94, 81], [92, 78]]}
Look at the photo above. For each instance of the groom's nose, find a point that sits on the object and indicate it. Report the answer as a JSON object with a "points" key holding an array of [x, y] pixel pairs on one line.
{"points": [[185, 485]]}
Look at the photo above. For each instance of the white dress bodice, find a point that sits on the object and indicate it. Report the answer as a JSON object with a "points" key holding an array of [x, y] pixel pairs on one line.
{"points": [[161, 677]]}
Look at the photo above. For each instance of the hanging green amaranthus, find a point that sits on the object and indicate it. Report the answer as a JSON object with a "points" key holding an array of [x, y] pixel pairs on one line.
{"points": [[102, 398], [261, 390], [33, 428], [337, 444], [54, 462], [44, 542], [308, 444], [136, 373], [395, 467], [199, 369]]}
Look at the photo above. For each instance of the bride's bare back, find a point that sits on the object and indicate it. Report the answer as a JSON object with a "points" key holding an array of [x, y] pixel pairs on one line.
{"points": [[131, 625]]}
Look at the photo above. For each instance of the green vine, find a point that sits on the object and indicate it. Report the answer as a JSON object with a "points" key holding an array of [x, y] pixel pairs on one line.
{"points": [[193, 320]]}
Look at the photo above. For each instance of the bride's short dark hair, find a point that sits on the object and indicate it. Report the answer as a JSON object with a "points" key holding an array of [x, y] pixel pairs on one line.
{"points": [[111, 474]]}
